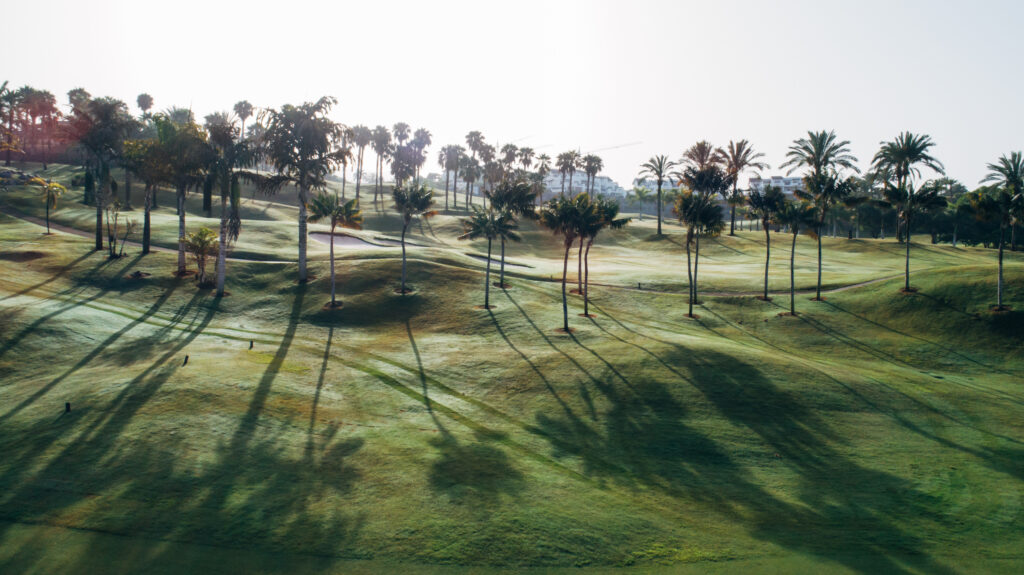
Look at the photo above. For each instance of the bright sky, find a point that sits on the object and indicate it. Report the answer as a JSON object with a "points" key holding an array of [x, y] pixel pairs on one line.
{"points": [[625, 79]]}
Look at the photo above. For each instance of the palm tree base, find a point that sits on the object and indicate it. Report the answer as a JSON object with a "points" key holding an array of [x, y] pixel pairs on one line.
{"points": [[563, 330], [590, 315], [184, 274], [910, 290], [334, 305], [404, 291], [575, 291], [762, 298], [818, 298], [484, 306], [1000, 309], [501, 285], [691, 316], [786, 314], [309, 278]]}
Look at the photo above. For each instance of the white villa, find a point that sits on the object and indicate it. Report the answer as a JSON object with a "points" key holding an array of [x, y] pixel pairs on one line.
{"points": [[787, 185]]}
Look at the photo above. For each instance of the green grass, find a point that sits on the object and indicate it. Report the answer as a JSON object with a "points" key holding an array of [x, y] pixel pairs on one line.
{"points": [[876, 432]]}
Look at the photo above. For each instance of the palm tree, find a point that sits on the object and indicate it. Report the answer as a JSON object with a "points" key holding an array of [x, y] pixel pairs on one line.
{"points": [[144, 158], [382, 147], [145, 103], [470, 172], [592, 165], [340, 214], [607, 217], [409, 203], [640, 194], [695, 208], [526, 156], [822, 155], [740, 156], [400, 131], [302, 143], [244, 111], [574, 161], [509, 153], [564, 163], [201, 244], [516, 200], [702, 155], [52, 191], [361, 137], [474, 141], [901, 157], [99, 125], [764, 206], [657, 167], [797, 216], [491, 224], [561, 216], [1004, 204], [233, 153], [449, 160], [421, 139]]}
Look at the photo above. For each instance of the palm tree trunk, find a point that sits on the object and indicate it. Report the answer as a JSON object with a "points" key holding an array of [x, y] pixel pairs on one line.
{"points": [[696, 266], [303, 214], [817, 291], [100, 195], [145, 219], [501, 276], [767, 256], [586, 279], [447, 175], [732, 218], [222, 247], [579, 268], [999, 283], [359, 172], [333, 301], [344, 172], [956, 224], [181, 229], [659, 216], [792, 274], [404, 228], [906, 283], [689, 273], [565, 271], [487, 278], [455, 188]]}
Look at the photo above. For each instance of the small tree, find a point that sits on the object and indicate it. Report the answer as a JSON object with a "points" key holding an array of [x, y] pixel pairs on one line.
{"points": [[340, 214], [201, 245], [798, 217], [410, 203], [491, 224], [607, 212], [764, 206], [562, 217], [52, 191]]}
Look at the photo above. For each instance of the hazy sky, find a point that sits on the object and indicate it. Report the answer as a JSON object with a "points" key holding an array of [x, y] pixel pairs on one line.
{"points": [[625, 79]]}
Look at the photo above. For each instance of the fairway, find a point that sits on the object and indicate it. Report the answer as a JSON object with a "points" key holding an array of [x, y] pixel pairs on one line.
{"points": [[876, 432]]}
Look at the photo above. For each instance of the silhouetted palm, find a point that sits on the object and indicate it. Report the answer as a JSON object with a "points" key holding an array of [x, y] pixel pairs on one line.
{"points": [[491, 224], [514, 198], [659, 168], [400, 131], [244, 111], [739, 156], [798, 217], [607, 217], [339, 214], [696, 209], [562, 217], [592, 165], [361, 137], [1005, 204], [901, 157], [702, 155], [822, 155], [302, 143], [382, 147], [470, 170], [417, 201], [764, 206], [639, 195]]}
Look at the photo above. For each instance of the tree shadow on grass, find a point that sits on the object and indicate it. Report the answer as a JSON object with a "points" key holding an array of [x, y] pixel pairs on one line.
{"points": [[867, 520], [254, 494], [59, 273]]}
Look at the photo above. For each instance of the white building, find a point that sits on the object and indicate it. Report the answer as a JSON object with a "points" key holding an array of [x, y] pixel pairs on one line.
{"points": [[787, 185], [603, 185]]}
